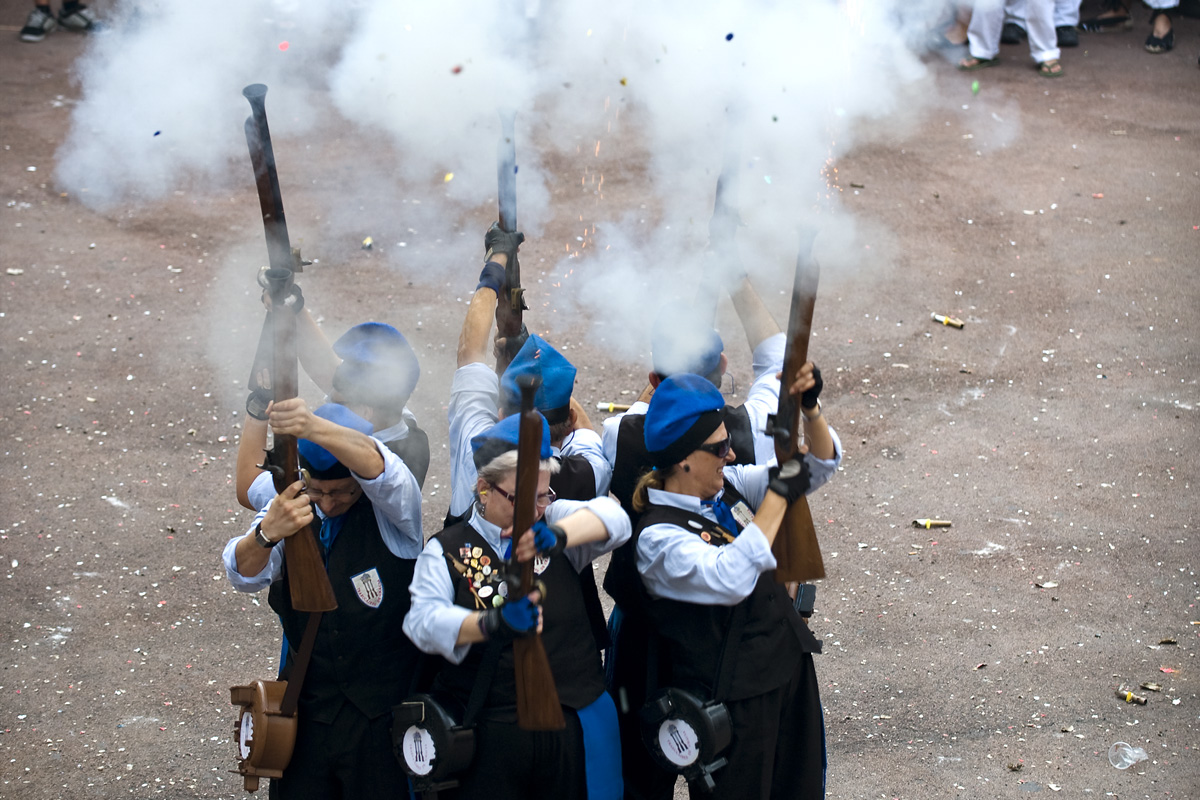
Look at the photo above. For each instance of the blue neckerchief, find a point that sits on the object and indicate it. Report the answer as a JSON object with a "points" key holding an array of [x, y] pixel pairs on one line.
{"points": [[723, 514], [330, 528]]}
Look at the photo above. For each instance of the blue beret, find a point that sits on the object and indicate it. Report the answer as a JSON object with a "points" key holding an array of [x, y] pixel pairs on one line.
{"points": [[538, 358], [379, 367], [684, 411], [682, 342], [321, 463], [502, 437]]}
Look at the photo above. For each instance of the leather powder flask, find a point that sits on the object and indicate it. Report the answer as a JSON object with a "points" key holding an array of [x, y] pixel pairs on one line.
{"points": [[265, 736]]}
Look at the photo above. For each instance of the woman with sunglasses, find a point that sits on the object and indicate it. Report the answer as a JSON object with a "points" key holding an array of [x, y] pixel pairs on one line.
{"points": [[726, 630], [460, 608]]}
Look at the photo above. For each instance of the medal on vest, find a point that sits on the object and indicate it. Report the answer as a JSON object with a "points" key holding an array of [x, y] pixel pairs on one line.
{"points": [[369, 588]]}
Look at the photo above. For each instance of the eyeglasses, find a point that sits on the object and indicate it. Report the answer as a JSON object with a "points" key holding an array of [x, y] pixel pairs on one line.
{"points": [[543, 500], [719, 449], [333, 494]]}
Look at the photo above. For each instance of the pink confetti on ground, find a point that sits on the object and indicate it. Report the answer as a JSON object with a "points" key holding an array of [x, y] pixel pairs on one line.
{"points": [[283, 46]]}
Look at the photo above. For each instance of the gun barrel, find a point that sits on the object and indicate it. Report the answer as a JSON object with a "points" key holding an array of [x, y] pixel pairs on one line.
{"points": [[270, 197], [506, 171]]}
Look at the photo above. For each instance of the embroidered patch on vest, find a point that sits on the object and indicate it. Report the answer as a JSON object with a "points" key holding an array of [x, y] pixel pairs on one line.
{"points": [[369, 587], [539, 564], [742, 513]]}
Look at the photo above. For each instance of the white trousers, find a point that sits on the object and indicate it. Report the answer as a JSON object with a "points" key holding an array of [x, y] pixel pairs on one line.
{"points": [[987, 20], [1066, 12]]}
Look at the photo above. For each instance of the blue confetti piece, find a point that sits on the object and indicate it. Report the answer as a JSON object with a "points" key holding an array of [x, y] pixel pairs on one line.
{"points": [[729, 37], [156, 133], [515, 168], [767, 178]]}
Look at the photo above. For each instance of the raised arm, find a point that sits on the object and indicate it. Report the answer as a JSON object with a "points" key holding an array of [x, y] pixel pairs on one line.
{"points": [[250, 451], [315, 351], [756, 320], [476, 328], [355, 450]]}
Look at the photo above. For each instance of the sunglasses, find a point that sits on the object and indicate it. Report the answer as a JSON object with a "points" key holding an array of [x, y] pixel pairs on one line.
{"points": [[543, 500], [719, 449]]}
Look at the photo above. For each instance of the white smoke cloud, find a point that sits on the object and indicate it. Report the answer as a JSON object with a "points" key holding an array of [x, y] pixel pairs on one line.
{"points": [[652, 90]]}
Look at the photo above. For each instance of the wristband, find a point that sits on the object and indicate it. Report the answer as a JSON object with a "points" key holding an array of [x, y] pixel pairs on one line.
{"points": [[492, 277], [262, 539]]}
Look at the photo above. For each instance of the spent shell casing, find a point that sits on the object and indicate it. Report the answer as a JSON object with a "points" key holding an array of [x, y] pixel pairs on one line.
{"points": [[953, 322], [931, 523], [1130, 697], [611, 407]]}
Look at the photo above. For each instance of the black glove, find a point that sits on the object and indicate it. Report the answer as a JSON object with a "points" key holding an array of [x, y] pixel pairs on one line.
{"points": [[257, 402], [808, 398], [492, 277], [790, 481], [499, 241], [513, 344], [509, 621]]}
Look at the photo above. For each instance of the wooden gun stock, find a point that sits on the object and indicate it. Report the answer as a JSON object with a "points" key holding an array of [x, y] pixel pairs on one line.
{"points": [[796, 550], [512, 299], [538, 708], [309, 582]]}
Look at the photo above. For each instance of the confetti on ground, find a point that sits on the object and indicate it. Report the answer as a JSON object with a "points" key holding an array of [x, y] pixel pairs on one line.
{"points": [[368, 243], [449, 177], [729, 37], [974, 87], [457, 68], [156, 133], [283, 46], [624, 81], [1098, 195], [1168, 670]]}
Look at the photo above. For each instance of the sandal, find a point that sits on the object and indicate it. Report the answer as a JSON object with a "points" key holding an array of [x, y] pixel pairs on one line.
{"points": [[1115, 16], [1051, 68], [1160, 44], [972, 63]]}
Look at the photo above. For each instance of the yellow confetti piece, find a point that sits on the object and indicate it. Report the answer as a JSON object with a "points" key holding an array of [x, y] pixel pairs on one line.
{"points": [[449, 177], [624, 82]]}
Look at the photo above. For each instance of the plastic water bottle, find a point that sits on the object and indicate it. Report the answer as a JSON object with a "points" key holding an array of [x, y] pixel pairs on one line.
{"points": [[1123, 756]]}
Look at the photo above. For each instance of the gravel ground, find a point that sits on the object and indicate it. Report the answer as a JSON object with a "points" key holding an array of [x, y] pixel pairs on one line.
{"points": [[975, 661]]}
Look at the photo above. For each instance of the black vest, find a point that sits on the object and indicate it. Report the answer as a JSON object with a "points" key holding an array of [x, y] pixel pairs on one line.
{"points": [[361, 653], [630, 464], [413, 450], [773, 637], [576, 480], [570, 648]]}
